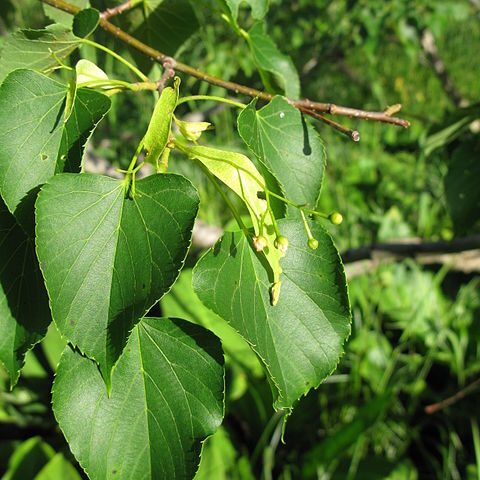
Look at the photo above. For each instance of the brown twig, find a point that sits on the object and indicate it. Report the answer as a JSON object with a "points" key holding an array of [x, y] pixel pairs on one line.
{"points": [[160, 57], [352, 134], [434, 407], [112, 12]]}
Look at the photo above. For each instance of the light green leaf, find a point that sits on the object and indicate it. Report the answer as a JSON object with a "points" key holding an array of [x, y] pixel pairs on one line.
{"points": [[58, 468], [158, 132], [33, 49], [24, 312], [87, 71], [28, 458], [167, 397], [287, 145], [241, 176], [85, 22], [35, 143], [259, 7], [59, 16], [268, 58], [107, 258], [300, 340]]}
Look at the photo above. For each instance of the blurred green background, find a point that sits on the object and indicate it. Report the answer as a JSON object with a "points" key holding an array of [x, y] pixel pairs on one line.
{"points": [[416, 328]]}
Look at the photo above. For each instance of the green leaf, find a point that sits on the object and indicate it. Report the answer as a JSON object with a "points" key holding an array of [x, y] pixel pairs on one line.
{"points": [[167, 396], [35, 143], [24, 312], [182, 302], [59, 16], [33, 49], [241, 176], [160, 126], [85, 22], [58, 468], [268, 58], [161, 24], [300, 339], [461, 185], [259, 7], [107, 258], [28, 458], [287, 145]]}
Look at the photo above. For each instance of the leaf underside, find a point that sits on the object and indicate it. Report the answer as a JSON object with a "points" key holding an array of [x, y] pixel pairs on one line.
{"points": [[167, 397], [24, 311]]}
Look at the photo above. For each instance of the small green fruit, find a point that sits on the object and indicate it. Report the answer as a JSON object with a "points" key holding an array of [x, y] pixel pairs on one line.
{"points": [[336, 218], [259, 243], [281, 243], [313, 243]]}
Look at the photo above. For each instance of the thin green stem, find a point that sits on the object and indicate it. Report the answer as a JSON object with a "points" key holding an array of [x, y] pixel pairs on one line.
{"points": [[133, 68], [229, 203], [272, 215], [305, 224], [297, 205], [194, 98]]}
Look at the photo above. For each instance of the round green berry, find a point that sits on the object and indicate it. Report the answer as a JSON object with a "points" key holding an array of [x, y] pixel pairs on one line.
{"points": [[313, 243], [281, 243], [336, 218]]}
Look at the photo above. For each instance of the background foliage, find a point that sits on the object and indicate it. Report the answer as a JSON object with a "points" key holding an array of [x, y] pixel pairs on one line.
{"points": [[416, 329]]}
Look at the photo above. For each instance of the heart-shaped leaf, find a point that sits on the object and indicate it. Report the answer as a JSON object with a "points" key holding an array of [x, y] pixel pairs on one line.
{"points": [[167, 397], [107, 258], [268, 58], [35, 143], [85, 22], [24, 312], [300, 339], [289, 147], [36, 49]]}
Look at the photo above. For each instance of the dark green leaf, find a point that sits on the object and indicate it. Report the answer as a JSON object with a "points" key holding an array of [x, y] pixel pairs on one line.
{"points": [[33, 49], [107, 258], [29, 457], [59, 16], [85, 22], [289, 147], [35, 143], [461, 185], [161, 24], [300, 339], [167, 397], [24, 312], [268, 58]]}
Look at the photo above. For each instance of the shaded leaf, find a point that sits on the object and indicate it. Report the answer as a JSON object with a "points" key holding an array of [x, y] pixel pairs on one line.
{"points": [[268, 58], [287, 145], [28, 458], [107, 258], [35, 143], [461, 185], [167, 397], [85, 22], [59, 16], [300, 339], [33, 49], [24, 312]]}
